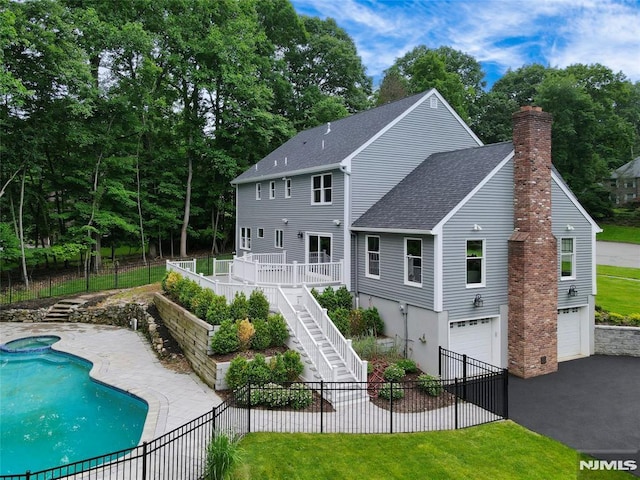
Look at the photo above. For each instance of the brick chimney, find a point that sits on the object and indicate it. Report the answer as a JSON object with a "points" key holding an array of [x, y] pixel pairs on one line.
{"points": [[533, 266]]}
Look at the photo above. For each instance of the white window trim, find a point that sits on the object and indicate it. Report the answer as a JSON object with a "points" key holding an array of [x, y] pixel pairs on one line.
{"points": [[258, 191], [404, 260], [272, 189], [322, 189], [287, 188], [367, 251], [573, 259], [275, 238], [483, 271], [245, 238]]}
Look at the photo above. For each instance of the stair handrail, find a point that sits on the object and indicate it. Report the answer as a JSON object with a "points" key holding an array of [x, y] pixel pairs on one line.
{"points": [[313, 349], [343, 346]]}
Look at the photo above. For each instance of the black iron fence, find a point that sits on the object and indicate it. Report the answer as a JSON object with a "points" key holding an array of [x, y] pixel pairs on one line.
{"points": [[312, 407], [14, 289]]}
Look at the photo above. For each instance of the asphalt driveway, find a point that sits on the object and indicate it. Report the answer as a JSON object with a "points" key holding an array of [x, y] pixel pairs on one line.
{"points": [[590, 404]]}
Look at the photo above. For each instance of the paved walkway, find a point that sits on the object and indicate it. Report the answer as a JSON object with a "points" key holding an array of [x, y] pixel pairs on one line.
{"points": [[123, 358], [618, 254]]}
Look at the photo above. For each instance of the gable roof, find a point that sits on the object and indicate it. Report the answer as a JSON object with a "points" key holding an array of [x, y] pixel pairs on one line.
{"points": [[628, 170], [429, 193], [325, 146]]}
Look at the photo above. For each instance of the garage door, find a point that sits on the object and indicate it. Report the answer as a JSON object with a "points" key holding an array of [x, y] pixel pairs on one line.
{"points": [[473, 338], [568, 333]]}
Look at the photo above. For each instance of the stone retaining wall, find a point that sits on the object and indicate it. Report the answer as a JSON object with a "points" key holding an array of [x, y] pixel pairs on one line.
{"points": [[615, 340], [193, 335], [120, 315]]}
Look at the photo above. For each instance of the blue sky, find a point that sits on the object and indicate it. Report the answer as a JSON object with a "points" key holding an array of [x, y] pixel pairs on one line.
{"points": [[500, 34]]}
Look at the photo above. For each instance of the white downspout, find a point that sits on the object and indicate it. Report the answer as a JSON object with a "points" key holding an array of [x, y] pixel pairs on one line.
{"points": [[346, 233]]}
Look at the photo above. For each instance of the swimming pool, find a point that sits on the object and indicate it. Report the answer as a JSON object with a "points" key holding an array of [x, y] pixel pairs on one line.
{"points": [[53, 413]]}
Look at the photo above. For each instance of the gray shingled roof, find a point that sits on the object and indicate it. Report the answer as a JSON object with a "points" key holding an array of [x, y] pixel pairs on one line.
{"points": [[628, 170], [434, 188], [304, 151]]}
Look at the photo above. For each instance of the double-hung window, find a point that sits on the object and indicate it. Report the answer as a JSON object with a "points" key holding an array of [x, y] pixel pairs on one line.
{"points": [[321, 188], [287, 188], [279, 239], [245, 238], [567, 259], [413, 261], [272, 190], [475, 263], [373, 257], [258, 191], [261, 233]]}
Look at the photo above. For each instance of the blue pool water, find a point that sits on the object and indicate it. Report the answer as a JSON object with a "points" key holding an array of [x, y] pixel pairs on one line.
{"points": [[52, 413]]}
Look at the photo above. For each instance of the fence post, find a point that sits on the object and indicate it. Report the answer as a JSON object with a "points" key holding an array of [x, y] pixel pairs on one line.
{"points": [[455, 410], [50, 286], [149, 271], [391, 407], [321, 406], [505, 393], [295, 273], [440, 361], [248, 407], [27, 475], [464, 376], [144, 460], [115, 272]]}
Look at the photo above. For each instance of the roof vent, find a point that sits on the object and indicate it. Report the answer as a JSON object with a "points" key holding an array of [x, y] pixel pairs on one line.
{"points": [[275, 163], [328, 128], [285, 160], [434, 102]]}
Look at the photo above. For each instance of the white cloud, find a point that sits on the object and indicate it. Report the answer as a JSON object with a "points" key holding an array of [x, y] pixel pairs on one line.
{"points": [[505, 33]]}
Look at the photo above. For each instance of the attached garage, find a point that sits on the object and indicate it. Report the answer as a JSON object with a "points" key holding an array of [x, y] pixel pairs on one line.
{"points": [[475, 338], [569, 333]]}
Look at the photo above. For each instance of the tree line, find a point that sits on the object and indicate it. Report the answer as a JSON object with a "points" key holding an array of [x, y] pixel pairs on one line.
{"points": [[123, 122]]}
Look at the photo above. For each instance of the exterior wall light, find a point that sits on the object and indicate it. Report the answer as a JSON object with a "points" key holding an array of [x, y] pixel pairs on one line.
{"points": [[336, 222], [300, 234], [285, 220], [573, 291], [478, 301]]}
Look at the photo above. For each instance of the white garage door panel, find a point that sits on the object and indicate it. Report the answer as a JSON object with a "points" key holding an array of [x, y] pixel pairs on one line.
{"points": [[568, 332], [473, 338]]}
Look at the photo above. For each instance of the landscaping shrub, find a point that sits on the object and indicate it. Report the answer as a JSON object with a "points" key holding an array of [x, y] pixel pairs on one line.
{"points": [[300, 396], [258, 371], [225, 340], [201, 302], [366, 347], [387, 389], [237, 373], [343, 298], [245, 333], [408, 365], [616, 318], [340, 318], [239, 308], [218, 310], [262, 337], [278, 331], [248, 396], [634, 319], [274, 395], [430, 385], [187, 290], [327, 299], [373, 321], [258, 305], [293, 365], [278, 369], [357, 323], [394, 373], [169, 283], [223, 452]]}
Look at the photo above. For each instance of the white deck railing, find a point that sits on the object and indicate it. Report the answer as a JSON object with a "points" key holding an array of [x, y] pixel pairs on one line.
{"points": [[252, 270], [353, 362], [188, 265]]}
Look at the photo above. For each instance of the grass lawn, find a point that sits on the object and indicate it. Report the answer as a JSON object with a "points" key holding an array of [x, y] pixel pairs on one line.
{"points": [[619, 233], [618, 289], [502, 450]]}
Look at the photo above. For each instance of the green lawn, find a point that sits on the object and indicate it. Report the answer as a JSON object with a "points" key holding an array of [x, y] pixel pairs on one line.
{"points": [[618, 289], [502, 450], [619, 233]]}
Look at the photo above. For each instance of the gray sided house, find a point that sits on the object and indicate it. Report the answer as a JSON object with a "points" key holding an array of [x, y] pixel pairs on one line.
{"points": [[480, 249], [624, 183]]}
